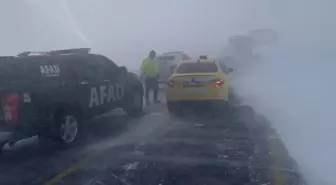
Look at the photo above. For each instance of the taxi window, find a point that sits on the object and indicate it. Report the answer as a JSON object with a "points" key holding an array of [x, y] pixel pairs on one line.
{"points": [[223, 67], [197, 67]]}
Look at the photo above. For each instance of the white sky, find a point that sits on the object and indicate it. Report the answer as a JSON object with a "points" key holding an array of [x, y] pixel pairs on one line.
{"points": [[126, 30]]}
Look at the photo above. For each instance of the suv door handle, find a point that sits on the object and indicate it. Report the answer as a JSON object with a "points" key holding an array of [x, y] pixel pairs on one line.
{"points": [[106, 80], [84, 82]]}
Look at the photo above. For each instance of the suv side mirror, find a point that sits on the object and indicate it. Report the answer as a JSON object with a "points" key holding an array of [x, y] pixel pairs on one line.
{"points": [[122, 70], [230, 70]]}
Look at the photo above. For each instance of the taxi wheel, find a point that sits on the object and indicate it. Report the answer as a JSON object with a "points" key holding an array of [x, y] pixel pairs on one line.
{"points": [[228, 109], [173, 109], [170, 107], [222, 109], [231, 101]]}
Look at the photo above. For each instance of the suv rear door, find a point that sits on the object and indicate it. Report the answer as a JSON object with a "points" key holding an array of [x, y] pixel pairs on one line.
{"points": [[91, 82], [116, 79]]}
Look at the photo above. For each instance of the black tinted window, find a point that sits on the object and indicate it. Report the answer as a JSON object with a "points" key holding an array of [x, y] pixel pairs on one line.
{"points": [[197, 67], [87, 69], [102, 60], [109, 67], [94, 72]]}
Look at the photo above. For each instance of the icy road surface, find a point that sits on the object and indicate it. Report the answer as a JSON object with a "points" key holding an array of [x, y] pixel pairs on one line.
{"points": [[158, 148]]}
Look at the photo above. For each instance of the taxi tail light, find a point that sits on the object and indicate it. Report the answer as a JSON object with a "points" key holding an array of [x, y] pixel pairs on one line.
{"points": [[219, 83], [171, 83], [10, 107]]}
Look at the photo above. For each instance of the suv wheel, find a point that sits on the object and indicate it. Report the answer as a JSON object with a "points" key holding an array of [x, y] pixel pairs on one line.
{"points": [[174, 109], [68, 128], [66, 131]]}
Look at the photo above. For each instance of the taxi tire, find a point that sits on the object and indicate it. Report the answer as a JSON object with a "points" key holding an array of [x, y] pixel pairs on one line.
{"points": [[222, 109], [231, 101], [173, 109], [170, 107]]}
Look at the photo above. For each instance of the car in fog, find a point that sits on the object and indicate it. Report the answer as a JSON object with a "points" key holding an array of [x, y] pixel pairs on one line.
{"points": [[167, 63], [199, 82], [51, 94]]}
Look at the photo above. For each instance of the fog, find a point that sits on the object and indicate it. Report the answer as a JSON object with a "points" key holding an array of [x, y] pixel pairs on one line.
{"points": [[292, 86]]}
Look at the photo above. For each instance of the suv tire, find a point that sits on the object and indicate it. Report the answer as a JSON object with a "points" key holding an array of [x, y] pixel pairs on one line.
{"points": [[68, 126], [67, 129]]}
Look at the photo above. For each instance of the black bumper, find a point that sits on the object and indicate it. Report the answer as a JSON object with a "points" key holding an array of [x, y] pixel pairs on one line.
{"points": [[21, 129], [199, 104], [17, 131], [6, 127]]}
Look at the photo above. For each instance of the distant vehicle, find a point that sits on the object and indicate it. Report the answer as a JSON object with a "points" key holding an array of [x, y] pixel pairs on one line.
{"points": [[167, 63], [264, 37], [199, 82], [244, 48], [50, 94], [242, 43]]}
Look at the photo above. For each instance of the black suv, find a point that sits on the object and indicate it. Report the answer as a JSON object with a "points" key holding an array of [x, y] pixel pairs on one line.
{"points": [[51, 94]]}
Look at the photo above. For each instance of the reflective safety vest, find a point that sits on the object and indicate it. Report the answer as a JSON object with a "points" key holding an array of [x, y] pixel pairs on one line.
{"points": [[149, 68]]}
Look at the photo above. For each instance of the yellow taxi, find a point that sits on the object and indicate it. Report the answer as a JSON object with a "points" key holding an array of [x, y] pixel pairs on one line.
{"points": [[199, 82]]}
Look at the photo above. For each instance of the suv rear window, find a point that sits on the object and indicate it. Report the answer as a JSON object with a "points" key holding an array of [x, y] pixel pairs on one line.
{"points": [[165, 58], [197, 67]]}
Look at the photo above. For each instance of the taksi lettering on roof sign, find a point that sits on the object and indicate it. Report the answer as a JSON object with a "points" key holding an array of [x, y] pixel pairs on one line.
{"points": [[105, 94], [50, 70]]}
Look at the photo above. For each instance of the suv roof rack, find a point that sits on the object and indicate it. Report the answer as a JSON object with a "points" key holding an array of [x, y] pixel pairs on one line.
{"points": [[6, 57], [57, 52]]}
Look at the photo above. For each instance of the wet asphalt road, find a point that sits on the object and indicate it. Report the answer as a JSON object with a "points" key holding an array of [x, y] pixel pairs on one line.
{"points": [[158, 148]]}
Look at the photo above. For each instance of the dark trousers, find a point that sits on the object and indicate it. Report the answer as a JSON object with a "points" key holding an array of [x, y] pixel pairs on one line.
{"points": [[151, 83]]}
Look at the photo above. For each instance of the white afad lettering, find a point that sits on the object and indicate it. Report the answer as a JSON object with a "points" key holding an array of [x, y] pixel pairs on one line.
{"points": [[94, 100], [46, 70], [50, 70], [57, 69], [103, 94], [43, 70], [106, 94], [111, 94], [119, 91]]}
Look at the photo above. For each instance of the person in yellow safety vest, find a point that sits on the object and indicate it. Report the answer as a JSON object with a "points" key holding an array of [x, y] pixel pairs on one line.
{"points": [[150, 74]]}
